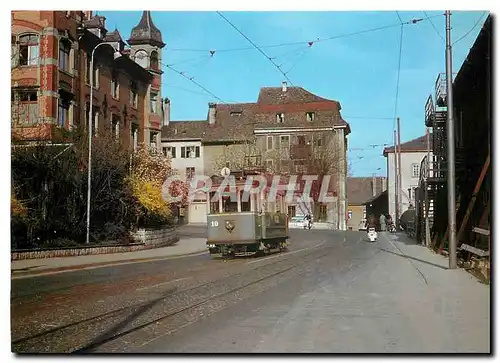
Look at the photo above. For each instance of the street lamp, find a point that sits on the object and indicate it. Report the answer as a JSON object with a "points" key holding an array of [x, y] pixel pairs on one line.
{"points": [[116, 55]]}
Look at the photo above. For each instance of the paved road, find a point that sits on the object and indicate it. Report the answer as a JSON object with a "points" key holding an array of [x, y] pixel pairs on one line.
{"points": [[332, 292]]}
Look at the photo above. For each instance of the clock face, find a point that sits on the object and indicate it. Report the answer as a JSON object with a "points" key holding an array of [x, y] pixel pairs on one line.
{"points": [[225, 171]]}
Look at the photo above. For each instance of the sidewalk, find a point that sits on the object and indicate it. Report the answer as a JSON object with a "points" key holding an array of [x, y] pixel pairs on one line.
{"points": [[185, 246], [451, 306]]}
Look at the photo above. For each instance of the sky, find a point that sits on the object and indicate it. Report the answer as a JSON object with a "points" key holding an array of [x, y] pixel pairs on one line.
{"points": [[360, 71]]}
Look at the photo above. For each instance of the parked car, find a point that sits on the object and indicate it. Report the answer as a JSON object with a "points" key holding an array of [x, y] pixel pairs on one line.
{"points": [[296, 222], [299, 222]]}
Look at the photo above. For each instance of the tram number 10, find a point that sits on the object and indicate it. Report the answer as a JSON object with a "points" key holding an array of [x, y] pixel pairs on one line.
{"points": [[215, 224]]}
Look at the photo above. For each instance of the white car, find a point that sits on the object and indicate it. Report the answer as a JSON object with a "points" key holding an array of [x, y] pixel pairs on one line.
{"points": [[296, 222]]}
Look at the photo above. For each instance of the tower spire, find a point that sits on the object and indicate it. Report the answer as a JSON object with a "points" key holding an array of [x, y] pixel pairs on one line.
{"points": [[146, 32]]}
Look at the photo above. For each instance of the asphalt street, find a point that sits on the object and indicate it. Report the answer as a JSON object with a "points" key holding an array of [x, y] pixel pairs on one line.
{"points": [[331, 292]]}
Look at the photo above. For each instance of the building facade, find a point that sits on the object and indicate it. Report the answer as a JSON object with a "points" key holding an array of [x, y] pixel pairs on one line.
{"points": [[412, 154], [51, 77], [361, 190], [287, 131]]}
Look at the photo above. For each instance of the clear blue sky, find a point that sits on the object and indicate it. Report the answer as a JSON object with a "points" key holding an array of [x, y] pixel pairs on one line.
{"points": [[359, 71]]}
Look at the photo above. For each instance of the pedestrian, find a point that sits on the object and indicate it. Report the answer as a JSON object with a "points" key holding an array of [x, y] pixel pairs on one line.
{"points": [[382, 222]]}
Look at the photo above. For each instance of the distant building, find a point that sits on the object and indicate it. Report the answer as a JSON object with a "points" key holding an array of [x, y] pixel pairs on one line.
{"points": [[360, 190], [412, 153]]}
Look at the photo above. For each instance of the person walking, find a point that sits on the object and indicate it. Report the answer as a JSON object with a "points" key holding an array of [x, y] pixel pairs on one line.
{"points": [[382, 222]]}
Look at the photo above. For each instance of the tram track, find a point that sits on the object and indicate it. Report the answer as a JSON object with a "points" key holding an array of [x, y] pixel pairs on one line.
{"points": [[85, 334]]}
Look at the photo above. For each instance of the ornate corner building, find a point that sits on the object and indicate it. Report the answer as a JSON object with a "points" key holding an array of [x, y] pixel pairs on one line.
{"points": [[51, 77]]}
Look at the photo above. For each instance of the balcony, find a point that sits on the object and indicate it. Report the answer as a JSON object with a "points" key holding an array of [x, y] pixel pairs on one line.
{"points": [[440, 88], [429, 112]]}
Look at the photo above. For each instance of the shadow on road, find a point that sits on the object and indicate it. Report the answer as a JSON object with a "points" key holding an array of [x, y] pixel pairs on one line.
{"points": [[414, 259], [113, 332]]}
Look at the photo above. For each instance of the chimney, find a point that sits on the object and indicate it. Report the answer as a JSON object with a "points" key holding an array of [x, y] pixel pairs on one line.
{"points": [[374, 185], [166, 112], [384, 184], [211, 113], [283, 86]]}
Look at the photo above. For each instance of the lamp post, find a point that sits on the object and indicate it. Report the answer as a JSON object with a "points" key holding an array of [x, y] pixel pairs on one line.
{"points": [[116, 55]]}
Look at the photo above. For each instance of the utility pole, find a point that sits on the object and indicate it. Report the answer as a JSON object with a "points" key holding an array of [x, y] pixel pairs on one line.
{"points": [[426, 186], [450, 126], [396, 184], [400, 179]]}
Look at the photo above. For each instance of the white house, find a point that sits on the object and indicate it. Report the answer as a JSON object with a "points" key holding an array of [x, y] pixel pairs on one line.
{"points": [[187, 155], [412, 153]]}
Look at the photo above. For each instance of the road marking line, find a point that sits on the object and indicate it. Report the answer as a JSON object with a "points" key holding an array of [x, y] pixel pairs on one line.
{"points": [[285, 254], [161, 284]]}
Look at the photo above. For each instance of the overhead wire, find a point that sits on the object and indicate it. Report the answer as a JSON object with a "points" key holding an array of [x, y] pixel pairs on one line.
{"points": [[432, 23], [204, 94], [191, 79], [255, 46], [318, 40], [474, 27], [401, 21]]}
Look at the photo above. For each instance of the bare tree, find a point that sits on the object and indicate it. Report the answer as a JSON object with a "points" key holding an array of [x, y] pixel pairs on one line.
{"points": [[240, 153]]}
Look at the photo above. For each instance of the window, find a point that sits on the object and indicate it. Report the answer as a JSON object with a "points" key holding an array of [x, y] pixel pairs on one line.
{"points": [[63, 112], [280, 117], [190, 172], [190, 152], [133, 94], [28, 50], [270, 142], [153, 140], [319, 142], [29, 96], [115, 126], [95, 128], [95, 79], [25, 107], [64, 51], [269, 164], [415, 170], [153, 98], [169, 151], [322, 213], [285, 141], [301, 140], [154, 60], [115, 85], [310, 116], [236, 113], [141, 58], [134, 128]]}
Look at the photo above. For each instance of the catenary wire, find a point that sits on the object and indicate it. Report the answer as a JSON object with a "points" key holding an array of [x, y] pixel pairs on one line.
{"points": [[432, 23], [255, 46], [474, 27]]}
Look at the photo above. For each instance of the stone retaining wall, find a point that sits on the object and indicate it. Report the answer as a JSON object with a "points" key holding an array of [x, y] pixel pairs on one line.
{"points": [[153, 238], [146, 239]]}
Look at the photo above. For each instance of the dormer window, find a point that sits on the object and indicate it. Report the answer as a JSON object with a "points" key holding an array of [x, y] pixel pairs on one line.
{"points": [[236, 113], [280, 118], [310, 116]]}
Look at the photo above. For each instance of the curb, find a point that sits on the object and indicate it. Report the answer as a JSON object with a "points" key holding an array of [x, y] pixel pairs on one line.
{"points": [[89, 266]]}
